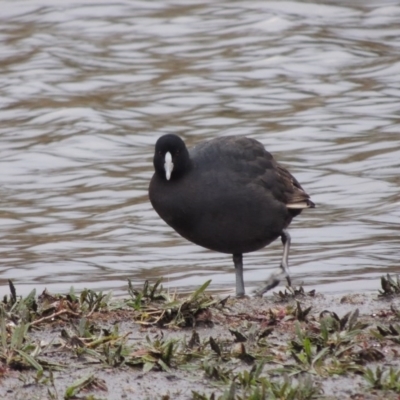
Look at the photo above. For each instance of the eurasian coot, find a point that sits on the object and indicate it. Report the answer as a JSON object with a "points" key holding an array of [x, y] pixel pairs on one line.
{"points": [[227, 195]]}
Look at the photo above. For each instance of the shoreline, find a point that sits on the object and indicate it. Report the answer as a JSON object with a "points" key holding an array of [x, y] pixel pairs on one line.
{"points": [[154, 344]]}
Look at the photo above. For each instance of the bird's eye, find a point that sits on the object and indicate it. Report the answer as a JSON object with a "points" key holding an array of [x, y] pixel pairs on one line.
{"points": [[177, 153], [160, 153]]}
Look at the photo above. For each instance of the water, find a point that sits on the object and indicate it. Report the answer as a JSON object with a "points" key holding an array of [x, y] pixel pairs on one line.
{"points": [[86, 89]]}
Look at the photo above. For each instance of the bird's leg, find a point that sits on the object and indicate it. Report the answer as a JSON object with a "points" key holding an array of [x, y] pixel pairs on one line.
{"points": [[286, 240], [238, 261], [276, 277]]}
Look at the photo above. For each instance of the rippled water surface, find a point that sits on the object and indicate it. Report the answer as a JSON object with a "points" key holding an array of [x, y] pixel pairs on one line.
{"points": [[86, 88]]}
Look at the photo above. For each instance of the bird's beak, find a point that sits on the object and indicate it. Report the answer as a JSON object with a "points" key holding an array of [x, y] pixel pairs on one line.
{"points": [[168, 166]]}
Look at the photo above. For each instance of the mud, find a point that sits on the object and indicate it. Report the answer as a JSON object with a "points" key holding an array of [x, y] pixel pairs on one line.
{"points": [[245, 333]]}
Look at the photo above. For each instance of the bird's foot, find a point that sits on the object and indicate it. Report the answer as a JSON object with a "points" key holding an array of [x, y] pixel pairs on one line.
{"points": [[273, 281], [270, 284]]}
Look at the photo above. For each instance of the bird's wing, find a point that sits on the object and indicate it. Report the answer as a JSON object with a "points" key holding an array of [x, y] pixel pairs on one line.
{"points": [[296, 197]]}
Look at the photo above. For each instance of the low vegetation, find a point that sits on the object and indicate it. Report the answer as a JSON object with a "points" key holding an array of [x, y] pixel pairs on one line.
{"points": [[232, 349]]}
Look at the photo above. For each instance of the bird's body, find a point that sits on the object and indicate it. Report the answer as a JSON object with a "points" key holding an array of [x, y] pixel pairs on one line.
{"points": [[227, 194]]}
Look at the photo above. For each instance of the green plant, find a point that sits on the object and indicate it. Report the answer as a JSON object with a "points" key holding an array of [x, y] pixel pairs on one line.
{"points": [[383, 379], [157, 307], [17, 350], [390, 286]]}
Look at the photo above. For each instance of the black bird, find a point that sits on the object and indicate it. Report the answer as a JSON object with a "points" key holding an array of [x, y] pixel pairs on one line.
{"points": [[227, 195]]}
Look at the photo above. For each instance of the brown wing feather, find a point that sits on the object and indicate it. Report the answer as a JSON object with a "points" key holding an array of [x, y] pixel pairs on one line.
{"points": [[296, 197]]}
